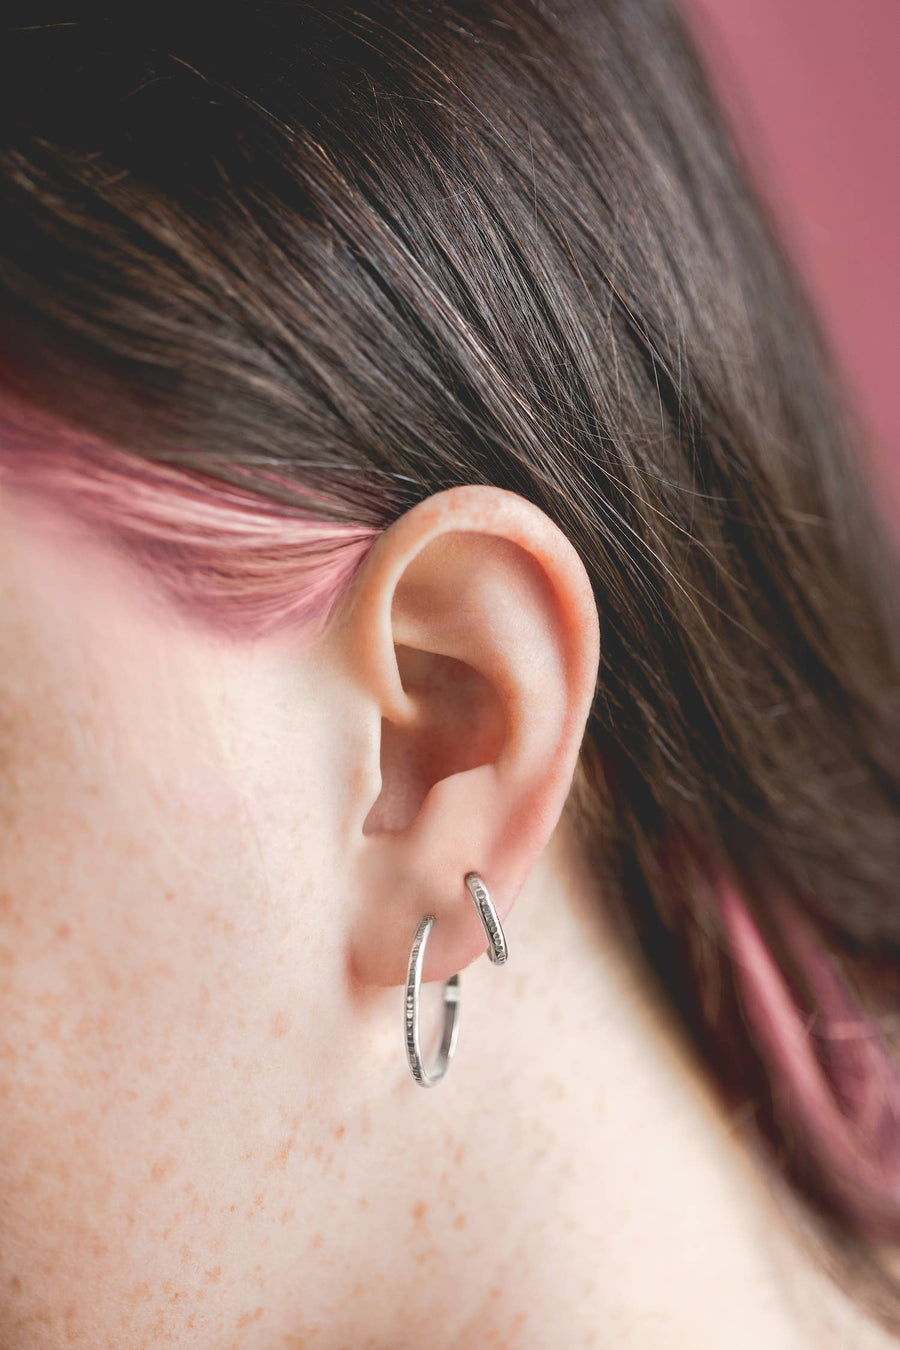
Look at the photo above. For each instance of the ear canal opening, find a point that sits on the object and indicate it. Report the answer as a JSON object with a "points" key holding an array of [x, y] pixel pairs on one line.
{"points": [[459, 724]]}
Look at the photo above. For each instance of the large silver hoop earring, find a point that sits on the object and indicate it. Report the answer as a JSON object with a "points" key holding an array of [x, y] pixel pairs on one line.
{"points": [[497, 951]]}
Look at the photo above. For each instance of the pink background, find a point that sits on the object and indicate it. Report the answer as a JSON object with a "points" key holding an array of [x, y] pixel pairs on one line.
{"points": [[813, 89]]}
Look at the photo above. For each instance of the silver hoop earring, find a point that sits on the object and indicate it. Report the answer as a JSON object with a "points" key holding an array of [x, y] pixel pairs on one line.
{"points": [[497, 951]]}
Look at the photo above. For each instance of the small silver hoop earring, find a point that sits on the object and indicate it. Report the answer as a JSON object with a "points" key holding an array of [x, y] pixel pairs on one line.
{"points": [[497, 951]]}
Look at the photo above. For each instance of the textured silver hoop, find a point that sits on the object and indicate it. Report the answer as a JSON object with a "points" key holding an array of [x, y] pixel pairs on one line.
{"points": [[451, 1012], [497, 948], [498, 953]]}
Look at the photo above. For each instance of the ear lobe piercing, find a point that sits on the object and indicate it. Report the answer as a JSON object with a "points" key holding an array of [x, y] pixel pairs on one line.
{"points": [[497, 952]]}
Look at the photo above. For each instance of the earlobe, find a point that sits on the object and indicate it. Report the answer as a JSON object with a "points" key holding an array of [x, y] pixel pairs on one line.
{"points": [[473, 636]]}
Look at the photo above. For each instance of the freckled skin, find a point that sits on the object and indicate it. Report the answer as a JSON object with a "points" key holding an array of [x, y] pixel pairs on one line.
{"points": [[209, 1136], [176, 1122]]}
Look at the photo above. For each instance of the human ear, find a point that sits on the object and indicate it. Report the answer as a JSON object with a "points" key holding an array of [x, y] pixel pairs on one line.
{"points": [[471, 637]]}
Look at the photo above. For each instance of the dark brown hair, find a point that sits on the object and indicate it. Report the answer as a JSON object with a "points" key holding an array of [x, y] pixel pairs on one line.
{"points": [[318, 261]]}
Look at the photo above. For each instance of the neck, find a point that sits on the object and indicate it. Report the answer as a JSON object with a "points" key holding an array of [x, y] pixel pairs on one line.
{"points": [[576, 1181]]}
